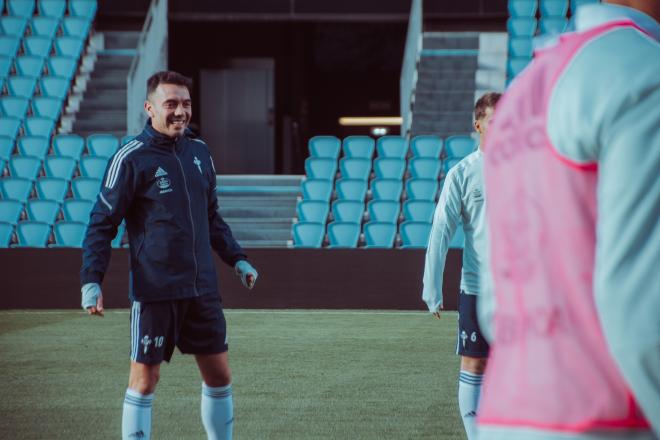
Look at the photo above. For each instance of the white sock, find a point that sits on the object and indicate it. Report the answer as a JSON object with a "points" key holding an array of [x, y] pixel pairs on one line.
{"points": [[469, 387], [136, 419], [217, 412]]}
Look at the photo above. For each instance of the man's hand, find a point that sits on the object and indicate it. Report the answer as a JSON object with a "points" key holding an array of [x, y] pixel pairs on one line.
{"points": [[92, 299], [246, 273], [437, 312]]}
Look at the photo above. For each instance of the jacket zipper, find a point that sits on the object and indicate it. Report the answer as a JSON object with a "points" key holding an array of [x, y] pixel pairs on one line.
{"points": [[192, 221]]}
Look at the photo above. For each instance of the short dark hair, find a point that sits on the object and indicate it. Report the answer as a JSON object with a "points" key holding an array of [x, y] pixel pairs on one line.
{"points": [[487, 100], [167, 77]]}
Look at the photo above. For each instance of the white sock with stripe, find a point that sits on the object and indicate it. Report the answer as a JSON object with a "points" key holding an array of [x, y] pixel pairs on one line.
{"points": [[136, 419], [217, 412], [469, 388]]}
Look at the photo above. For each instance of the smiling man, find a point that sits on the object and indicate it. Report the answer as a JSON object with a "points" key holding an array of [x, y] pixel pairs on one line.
{"points": [[163, 185]]}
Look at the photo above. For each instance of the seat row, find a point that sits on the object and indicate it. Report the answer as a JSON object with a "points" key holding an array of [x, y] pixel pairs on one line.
{"points": [[45, 211], [352, 211], [380, 189], [30, 168], [49, 8], [63, 145], [40, 235], [547, 8]]}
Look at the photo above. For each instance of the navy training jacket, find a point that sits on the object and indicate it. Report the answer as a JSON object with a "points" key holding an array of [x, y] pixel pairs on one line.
{"points": [[165, 189]]}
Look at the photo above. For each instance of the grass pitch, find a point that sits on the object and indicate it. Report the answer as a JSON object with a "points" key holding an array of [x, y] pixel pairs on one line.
{"points": [[296, 375]]}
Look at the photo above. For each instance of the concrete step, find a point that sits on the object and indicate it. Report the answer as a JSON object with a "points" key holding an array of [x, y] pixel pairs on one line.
{"points": [[105, 95], [433, 63], [101, 115], [257, 211], [458, 83], [121, 40], [100, 105], [260, 223], [451, 40], [437, 126], [250, 233], [114, 62], [227, 201], [443, 101], [447, 74], [84, 133], [255, 180], [99, 125], [255, 244], [443, 134]]}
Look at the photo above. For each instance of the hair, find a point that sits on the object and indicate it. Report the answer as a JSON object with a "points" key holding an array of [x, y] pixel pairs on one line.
{"points": [[167, 77], [487, 100]]}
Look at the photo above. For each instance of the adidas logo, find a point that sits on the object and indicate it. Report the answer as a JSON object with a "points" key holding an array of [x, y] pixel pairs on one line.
{"points": [[160, 172]]}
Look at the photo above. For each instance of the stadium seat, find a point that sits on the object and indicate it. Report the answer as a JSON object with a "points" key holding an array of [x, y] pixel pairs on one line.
{"points": [[32, 234], [521, 47], [14, 107], [9, 45], [69, 145], [449, 164], [320, 168], [2, 166], [37, 126], [117, 241], [62, 167], [29, 65], [6, 149], [69, 234], [422, 189], [426, 146], [16, 188], [386, 189], [577, 3], [76, 27], [13, 25], [308, 235], [38, 46], [522, 8], [92, 166], [102, 145], [51, 188], [22, 86], [343, 235], [82, 8], [516, 65], [86, 188], [347, 211], [20, 8], [45, 26], [351, 189], [395, 147], [44, 211], [52, 8], [54, 87], [355, 168], [415, 234], [424, 168], [359, 147], [62, 66], [521, 27], [35, 146], [419, 210], [460, 146], [312, 211], [6, 231], [553, 25], [9, 127], [24, 167], [69, 46], [5, 67], [554, 8], [126, 139], [379, 235], [48, 108], [10, 211], [77, 210], [389, 168], [458, 240], [324, 146], [383, 211], [317, 189]]}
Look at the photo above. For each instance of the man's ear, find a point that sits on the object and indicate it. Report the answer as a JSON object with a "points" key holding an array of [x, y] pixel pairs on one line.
{"points": [[148, 109], [477, 126]]}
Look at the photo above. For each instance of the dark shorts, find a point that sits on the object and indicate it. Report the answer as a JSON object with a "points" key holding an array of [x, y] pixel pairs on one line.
{"points": [[195, 325], [470, 341]]}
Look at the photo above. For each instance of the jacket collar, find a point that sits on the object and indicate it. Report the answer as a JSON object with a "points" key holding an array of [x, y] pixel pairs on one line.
{"points": [[158, 139], [592, 15]]}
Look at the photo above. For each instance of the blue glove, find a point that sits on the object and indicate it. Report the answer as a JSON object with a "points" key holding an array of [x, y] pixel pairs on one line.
{"points": [[244, 270], [90, 294]]}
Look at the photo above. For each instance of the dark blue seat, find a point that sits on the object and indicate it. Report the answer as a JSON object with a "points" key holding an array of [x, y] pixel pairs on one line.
{"points": [[308, 235], [379, 235]]}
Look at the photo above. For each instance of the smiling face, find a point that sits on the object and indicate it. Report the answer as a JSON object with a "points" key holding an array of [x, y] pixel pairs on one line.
{"points": [[170, 109]]}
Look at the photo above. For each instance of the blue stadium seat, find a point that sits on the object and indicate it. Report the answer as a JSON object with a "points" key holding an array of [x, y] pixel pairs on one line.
{"points": [[52, 8], [449, 164], [37, 126], [14, 107], [312, 211], [38, 46], [355, 168], [44, 211], [69, 46], [126, 139], [522, 8], [324, 146], [386, 189], [343, 235], [25, 167], [6, 231], [69, 145], [117, 241], [347, 211], [32, 234], [64, 67], [62, 167], [20, 8], [102, 145], [86, 188], [320, 168], [422, 189], [427, 146], [45, 26], [10, 211], [13, 25], [395, 147], [308, 235], [553, 25], [9, 127], [577, 3], [5, 67], [460, 146], [379, 235], [51, 188], [383, 211], [521, 27], [554, 8], [76, 27], [54, 87], [69, 234], [92, 166], [389, 168], [22, 86], [351, 189], [29, 65], [521, 47], [45, 107], [82, 8], [319, 189], [516, 65], [359, 147], [424, 168], [2, 167], [9, 45], [35, 146], [75, 210], [16, 188], [458, 241], [6, 149], [415, 234], [419, 210]]}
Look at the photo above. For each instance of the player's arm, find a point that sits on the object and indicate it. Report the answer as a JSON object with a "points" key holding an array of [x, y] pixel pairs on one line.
{"points": [[445, 220]]}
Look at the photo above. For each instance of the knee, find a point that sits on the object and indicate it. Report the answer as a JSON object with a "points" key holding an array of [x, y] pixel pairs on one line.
{"points": [[144, 383], [473, 365], [219, 378]]}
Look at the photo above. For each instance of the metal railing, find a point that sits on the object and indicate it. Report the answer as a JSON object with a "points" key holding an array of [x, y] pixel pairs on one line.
{"points": [[410, 64]]}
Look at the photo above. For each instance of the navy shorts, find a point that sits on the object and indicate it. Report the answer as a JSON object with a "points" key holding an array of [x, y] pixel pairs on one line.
{"points": [[195, 325], [470, 340]]}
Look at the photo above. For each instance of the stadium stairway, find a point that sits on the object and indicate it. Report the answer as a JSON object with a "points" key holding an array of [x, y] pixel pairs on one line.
{"points": [[259, 209]]}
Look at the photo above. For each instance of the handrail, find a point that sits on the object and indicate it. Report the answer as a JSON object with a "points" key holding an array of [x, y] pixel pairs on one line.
{"points": [[410, 64]]}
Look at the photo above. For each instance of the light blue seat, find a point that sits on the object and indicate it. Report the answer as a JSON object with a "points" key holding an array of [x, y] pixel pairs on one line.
{"points": [[69, 46], [9, 45], [20, 8], [83, 8], [14, 107], [92, 166], [76, 210], [76, 27], [427, 146], [359, 147], [308, 235], [449, 164], [577, 3], [389, 168], [522, 8], [51, 188], [38, 46], [424, 168], [415, 234], [351, 189], [386, 189], [32, 234], [10, 211], [343, 235], [347, 211], [102, 145], [6, 232], [5, 67], [54, 87], [554, 8], [22, 86], [25, 167], [460, 146], [35, 146], [13, 25], [516, 65], [117, 241], [62, 66], [419, 210], [521, 47], [312, 211], [324, 146], [62, 167], [86, 188], [320, 168], [44, 211], [45, 26], [521, 27], [29, 65], [48, 108], [379, 235], [52, 8], [458, 240], [6, 149], [553, 25], [126, 139], [355, 168], [69, 145], [395, 147], [16, 188], [383, 211], [421, 189], [69, 234], [317, 189], [9, 127], [37, 126]]}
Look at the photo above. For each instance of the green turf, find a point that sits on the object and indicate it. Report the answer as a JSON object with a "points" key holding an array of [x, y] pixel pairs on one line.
{"points": [[296, 375]]}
